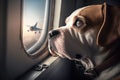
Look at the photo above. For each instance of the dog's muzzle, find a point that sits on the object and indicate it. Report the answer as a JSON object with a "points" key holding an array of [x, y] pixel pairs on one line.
{"points": [[51, 45]]}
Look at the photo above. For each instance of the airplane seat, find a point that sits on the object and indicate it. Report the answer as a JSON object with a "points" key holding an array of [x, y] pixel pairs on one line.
{"points": [[62, 69]]}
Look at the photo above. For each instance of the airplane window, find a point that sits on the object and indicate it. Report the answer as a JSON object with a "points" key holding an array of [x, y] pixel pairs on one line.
{"points": [[34, 24]]}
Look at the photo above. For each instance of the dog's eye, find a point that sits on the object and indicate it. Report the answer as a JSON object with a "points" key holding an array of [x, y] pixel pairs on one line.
{"points": [[78, 23]]}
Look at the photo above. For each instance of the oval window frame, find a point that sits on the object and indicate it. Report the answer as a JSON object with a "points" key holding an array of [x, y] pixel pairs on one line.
{"points": [[40, 46]]}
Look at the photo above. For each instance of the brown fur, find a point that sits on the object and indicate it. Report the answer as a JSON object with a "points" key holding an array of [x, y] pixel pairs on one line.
{"points": [[98, 38]]}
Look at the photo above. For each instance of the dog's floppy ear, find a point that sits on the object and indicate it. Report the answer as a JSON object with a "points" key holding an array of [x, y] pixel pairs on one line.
{"points": [[110, 30]]}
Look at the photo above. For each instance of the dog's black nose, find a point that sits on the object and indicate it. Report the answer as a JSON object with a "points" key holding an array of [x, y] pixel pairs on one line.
{"points": [[53, 33]]}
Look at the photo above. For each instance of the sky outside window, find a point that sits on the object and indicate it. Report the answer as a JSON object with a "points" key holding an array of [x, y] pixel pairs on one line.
{"points": [[33, 13]]}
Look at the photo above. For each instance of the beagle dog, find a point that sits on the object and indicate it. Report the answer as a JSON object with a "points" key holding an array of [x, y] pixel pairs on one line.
{"points": [[93, 34]]}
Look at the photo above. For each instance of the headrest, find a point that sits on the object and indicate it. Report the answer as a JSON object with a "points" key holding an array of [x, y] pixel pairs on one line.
{"points": [[113, 2]]}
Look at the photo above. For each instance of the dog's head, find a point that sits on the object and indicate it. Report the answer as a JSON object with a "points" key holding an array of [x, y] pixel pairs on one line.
{"points": [[81, 33]]}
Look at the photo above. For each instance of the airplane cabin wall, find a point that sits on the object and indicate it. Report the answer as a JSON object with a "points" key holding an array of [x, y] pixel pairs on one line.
{"points": [[2, 37], [13, 56]]}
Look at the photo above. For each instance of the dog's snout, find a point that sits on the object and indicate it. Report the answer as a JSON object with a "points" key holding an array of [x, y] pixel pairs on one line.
{"points": [[53, 33]]}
